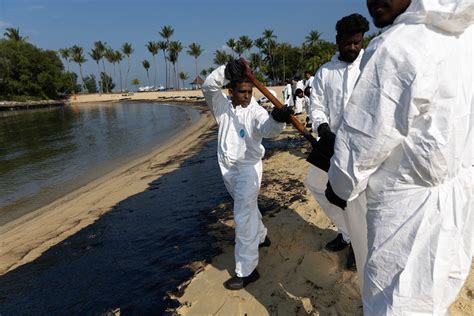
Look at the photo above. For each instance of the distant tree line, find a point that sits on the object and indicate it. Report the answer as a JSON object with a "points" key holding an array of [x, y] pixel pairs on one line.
{"points": [[30, 72]]}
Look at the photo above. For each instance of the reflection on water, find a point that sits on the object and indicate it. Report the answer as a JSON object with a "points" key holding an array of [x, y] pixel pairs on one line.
{"points": [[46, 153]]}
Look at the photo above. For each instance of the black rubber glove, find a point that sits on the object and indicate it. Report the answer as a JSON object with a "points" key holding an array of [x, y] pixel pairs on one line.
{"points": [[323, 129], [323, 150], [282, 115], [235, 70], [333, 198]]}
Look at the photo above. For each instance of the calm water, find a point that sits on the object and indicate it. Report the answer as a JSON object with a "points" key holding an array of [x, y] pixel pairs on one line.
{"points": [[47, 153]]}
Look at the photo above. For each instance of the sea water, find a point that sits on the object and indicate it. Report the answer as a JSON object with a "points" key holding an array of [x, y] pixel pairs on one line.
{"points": [[46, 153]]}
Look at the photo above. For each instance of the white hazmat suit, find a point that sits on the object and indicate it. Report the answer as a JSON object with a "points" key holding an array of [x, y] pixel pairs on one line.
{"points": [[240, 153], [331, 89], [406, 140]]}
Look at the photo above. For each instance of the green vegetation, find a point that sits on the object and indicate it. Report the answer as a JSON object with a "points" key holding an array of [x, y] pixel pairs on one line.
{"points": [[30, 73]]}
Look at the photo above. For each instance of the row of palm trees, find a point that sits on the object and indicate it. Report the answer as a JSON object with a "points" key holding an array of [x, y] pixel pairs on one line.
{"points": [[275, 61], [101, 51]]}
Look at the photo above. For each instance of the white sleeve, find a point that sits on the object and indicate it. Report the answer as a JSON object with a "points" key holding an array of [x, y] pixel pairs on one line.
{"points": [[211, 89], [376, 120], [287, 95], [319, 107], [265, 125]]}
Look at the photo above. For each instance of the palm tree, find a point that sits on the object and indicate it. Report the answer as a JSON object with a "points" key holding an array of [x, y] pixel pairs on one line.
{"points": [[66, 55], [183, 76], [231, 44], [239, 49], [14, 34], [78, 58], [246, 42], [118, 58], [101, 47], [96, 56], [146, 65], [166, 33], [195, 51], [221, 58], [313, 38], [127, 50], [173, 52], [109, 54], [203, 73], [270, 42], [163, 46], [136, 82], [153, 49]]}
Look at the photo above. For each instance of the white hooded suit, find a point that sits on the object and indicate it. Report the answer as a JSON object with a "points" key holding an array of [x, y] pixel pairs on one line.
{"points": [[240, 153], [332, 87], [406, 140]]}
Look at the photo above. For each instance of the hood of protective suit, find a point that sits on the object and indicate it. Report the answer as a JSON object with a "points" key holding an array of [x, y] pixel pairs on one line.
{"points": [[451, 16]]}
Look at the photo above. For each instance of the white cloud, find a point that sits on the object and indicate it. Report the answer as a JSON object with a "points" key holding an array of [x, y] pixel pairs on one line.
{"points": [[5, 24]]}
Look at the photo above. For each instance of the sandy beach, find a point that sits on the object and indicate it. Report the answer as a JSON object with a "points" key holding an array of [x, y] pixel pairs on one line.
{"points": [[298, 277]]}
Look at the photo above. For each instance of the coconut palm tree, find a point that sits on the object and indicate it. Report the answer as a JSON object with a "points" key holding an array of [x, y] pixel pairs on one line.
{"points": [[166, 33], [270, 41], [118, 57], [127, 50], [174, 49], [183, 76], [146, 65], [203, 73], [14, 34], [231, 43], [78, 58], [153, 49], [239, 49], [96, 56], [101, 47], [109, 54], [246, 43], [136, 82], [313, 38], [163, 46], [195, 51], [66, 55], [221, 58]]}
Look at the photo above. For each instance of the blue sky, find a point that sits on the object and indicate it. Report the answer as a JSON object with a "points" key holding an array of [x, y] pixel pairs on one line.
{"points": [[54, 24]]}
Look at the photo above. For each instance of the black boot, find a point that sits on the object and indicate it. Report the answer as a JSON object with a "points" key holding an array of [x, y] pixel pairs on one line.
{"points": [[337, 244], [351, 260], [265, 243], [237, 283]]}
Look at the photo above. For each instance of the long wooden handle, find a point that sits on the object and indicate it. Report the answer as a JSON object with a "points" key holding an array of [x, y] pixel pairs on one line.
{"points": [[294, 121]]}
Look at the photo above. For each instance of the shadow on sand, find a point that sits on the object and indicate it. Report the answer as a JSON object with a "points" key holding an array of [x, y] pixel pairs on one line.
{"points": [[130, 257]]}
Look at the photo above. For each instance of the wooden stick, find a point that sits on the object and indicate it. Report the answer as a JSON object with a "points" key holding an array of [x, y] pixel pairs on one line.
{"points": [[294, 121]]}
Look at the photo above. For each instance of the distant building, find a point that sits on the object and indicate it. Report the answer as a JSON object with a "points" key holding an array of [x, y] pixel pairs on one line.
{"points": [[197, 83]]}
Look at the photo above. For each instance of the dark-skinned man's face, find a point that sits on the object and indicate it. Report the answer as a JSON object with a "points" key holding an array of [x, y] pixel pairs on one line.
{"points": [[241, 94], [349, 46], [384, 12]]}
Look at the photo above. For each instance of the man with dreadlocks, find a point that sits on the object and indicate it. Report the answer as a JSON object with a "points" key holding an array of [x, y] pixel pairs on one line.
{"points": [[242, 125], [332, 86]]}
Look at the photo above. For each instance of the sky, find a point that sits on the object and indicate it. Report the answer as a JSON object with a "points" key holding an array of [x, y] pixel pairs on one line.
{"points": [[55, 24]]}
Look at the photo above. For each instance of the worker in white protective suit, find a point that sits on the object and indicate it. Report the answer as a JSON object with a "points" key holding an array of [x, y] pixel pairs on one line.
{"points": [[242, 125], [309, 79], [406, 140], [332, 87], [288, 94]]}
